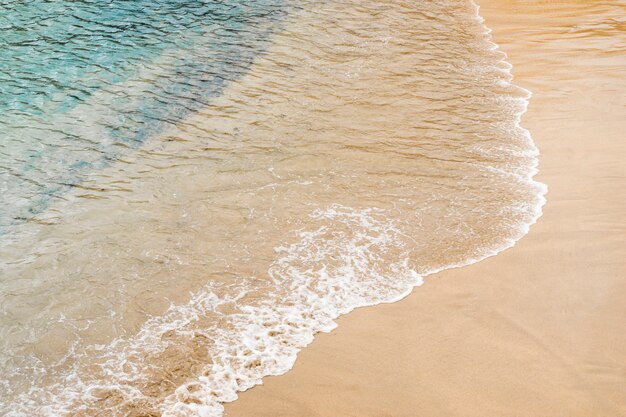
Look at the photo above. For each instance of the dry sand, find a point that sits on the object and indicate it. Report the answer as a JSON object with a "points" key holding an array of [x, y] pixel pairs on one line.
{"points": [[539, 330]]}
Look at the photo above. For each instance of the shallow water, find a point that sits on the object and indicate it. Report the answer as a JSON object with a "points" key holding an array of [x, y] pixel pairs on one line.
{"points": [[321, 158], [84, 81]]}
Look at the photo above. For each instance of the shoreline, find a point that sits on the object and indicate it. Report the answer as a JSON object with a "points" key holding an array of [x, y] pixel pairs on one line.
{"points": [[349, 219], [532, 331]]}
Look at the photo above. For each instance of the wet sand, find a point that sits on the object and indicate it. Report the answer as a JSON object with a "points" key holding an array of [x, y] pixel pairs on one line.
{"points": [[540, 329]]}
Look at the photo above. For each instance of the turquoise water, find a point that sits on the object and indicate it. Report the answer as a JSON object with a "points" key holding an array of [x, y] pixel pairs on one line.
{"points": [[83, 82]]}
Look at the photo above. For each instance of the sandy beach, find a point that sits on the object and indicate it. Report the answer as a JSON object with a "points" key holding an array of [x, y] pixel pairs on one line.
{"points": [[538, 330]]}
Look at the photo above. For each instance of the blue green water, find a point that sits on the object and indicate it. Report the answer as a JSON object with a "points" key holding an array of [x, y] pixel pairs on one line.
{"points": [[83, 82]]}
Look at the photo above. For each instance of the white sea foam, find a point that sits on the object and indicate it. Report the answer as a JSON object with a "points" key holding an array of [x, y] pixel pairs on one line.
{"points": [[360, 261]]}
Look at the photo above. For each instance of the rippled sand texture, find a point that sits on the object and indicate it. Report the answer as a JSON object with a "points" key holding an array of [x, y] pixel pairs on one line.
{"points": [[373, 143]]}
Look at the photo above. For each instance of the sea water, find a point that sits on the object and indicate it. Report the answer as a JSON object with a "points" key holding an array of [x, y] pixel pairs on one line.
{"points": [[192, 190]]}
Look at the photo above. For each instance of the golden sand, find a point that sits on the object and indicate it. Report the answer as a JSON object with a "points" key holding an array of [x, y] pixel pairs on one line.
{"points": [[539, 330]]}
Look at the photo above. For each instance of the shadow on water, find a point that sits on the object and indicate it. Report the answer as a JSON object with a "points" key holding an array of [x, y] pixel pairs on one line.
{"points": [[83, 82]]}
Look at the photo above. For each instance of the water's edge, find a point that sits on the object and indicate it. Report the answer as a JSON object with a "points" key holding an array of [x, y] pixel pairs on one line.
{"points": [[524, 229]]}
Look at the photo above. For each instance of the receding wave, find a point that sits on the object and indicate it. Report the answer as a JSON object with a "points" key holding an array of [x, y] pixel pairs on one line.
{"points": [[363, 147]]}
